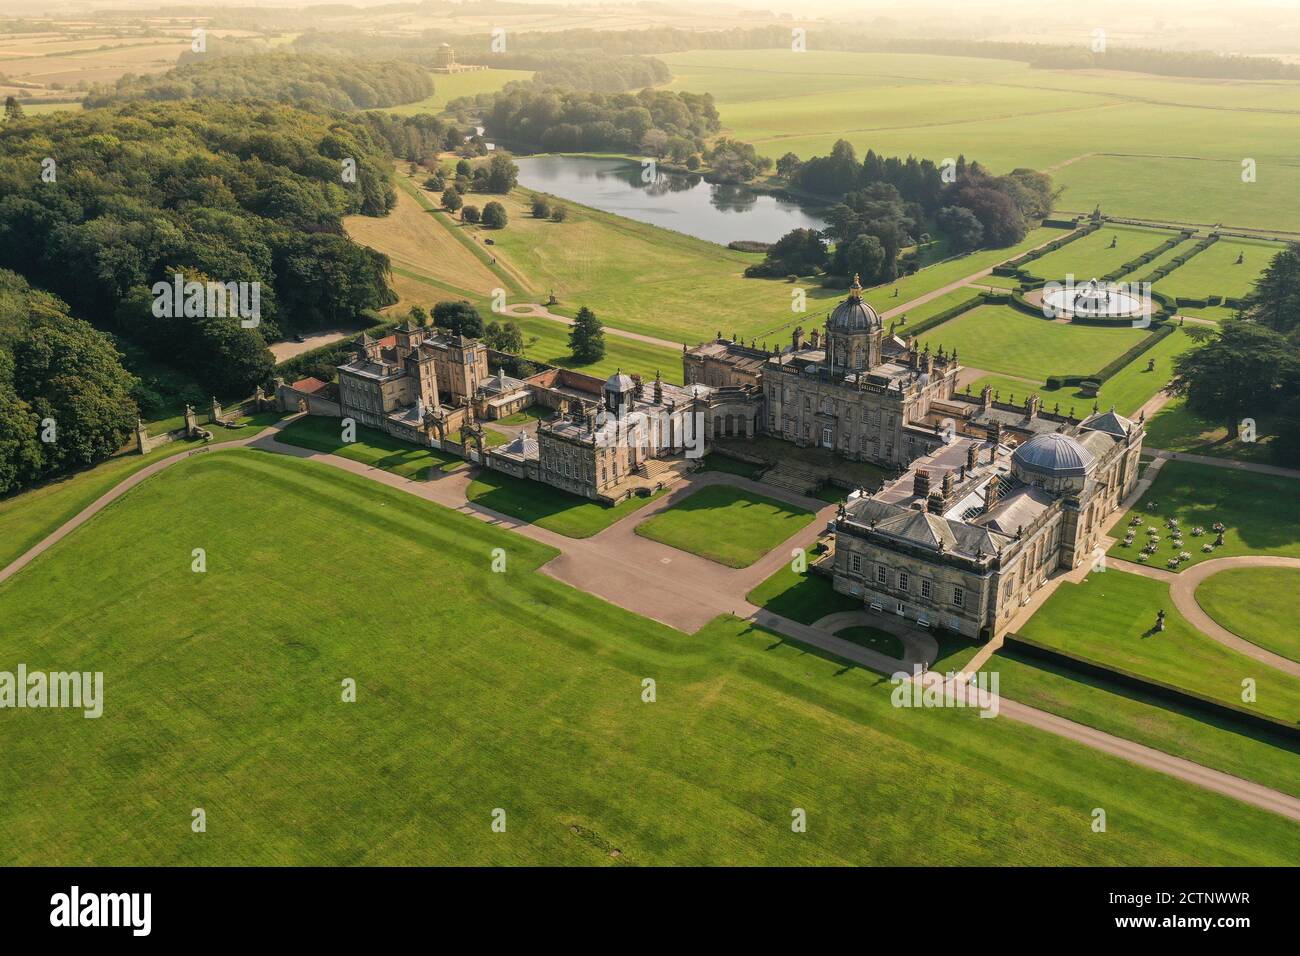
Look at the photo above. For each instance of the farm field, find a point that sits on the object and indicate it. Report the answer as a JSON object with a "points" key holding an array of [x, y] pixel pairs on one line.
{"points": [[450, 86], [726, 524], [1215, 271], [999, 338], [1091, 257], [1141, 148], [1257, 604], [1194, 735], [1260, 512], [1110, 618], [243, 716]]}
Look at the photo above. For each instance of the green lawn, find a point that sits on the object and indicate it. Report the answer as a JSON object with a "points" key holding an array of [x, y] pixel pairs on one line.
{"points": [[1109, 618], [806, 598], [1091, 256], [1177, 428], [1215, 271], [874, 639], [372, 447], [1261, 513], [999, 338], [547, 507], [1257, 604], [478, 690], [533, 413], [726, 524], [1194, 735], [28, 517]]}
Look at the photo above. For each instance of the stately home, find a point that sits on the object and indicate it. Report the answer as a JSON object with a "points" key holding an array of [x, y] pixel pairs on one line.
{"points": [[856, 390], [967, 534], [444, 61]]}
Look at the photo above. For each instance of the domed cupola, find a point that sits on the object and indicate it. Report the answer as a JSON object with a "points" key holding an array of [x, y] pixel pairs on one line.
{"points": [[853, 334], [853, 314], [1055, 461]]}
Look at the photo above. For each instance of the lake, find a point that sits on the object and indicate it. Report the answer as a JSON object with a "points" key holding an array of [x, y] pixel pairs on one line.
{"points": [[684, 203]]}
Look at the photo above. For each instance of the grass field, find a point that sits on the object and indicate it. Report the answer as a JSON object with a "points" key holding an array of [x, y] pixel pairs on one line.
{"points": [[547, 507], [1091, 256], [371, 447], [999, 338], [1212, 742], [28, 517], [1214, 271], [1135, 144], [1257, 604], [450, 86], [729, 525], [226, 696], [1109, 618], [1261, 512]]}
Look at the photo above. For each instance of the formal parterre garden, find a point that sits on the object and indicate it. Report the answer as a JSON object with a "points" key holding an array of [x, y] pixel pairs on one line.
{"points": [[227, 696]]}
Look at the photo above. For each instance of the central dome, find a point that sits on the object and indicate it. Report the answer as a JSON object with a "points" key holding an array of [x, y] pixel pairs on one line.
{"points": [[853, 315], [1053, 455]]}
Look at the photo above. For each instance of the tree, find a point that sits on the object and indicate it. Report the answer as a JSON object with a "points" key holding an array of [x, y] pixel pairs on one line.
{"points": [[864, 257], [502, 174], [458, 318], [799, 252], [1275, 300], [470, 214], [587, 338], [435, 184], [419, 317], [463, 168], [541, 208], [451, 200], [961, 227], [13, 109], [997, 212], [1236, 375], [788, 165], [504, 338], [494, 215], [559, 213]]}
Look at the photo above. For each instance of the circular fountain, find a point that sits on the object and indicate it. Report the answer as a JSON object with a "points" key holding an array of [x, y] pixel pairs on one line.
{"points": [[1095, 299]]}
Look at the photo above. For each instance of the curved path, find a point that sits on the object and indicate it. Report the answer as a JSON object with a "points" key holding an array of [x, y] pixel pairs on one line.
{"points": [[534, 311], [919, 647], [630, 581], [1182, 591]]}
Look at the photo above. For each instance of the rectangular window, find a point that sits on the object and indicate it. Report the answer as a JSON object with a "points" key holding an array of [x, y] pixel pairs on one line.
{"points": [[855, 562], [902, 580], [925, 588], [958, 597], [881, 574]]}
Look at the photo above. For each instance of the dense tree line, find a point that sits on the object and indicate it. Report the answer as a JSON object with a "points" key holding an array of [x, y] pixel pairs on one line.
{"points": [[565, 121], [1249, 368], [65, 399], [213, 191], [338, 83], [887, 203]]}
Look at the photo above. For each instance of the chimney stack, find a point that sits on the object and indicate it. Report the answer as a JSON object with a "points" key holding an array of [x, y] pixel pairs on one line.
{"points": [[934, 503], [815, 339], [921, 483], [986, 396], [972, 455], [991, 494], [796, 340]]}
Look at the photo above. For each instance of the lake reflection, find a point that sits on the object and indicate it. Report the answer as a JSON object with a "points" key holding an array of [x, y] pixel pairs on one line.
{"points": [[685, 203]]}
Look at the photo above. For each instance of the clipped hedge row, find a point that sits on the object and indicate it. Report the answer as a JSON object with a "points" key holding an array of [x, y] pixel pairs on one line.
{"points": [[1052, 246], [1179, 261], [952, 312], [1161, 331], [1159, 689]]}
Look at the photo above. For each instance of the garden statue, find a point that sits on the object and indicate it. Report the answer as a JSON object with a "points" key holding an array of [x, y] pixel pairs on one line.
{"points": [[1160, 620]]}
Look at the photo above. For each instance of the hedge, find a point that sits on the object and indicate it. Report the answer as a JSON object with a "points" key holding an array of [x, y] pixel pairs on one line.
{"points": [[1159, 689], [1132, 354], [949, 313]]}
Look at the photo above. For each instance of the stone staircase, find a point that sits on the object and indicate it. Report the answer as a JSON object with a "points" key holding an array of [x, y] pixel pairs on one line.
{"points": [[795, 476], [654, 468]]}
